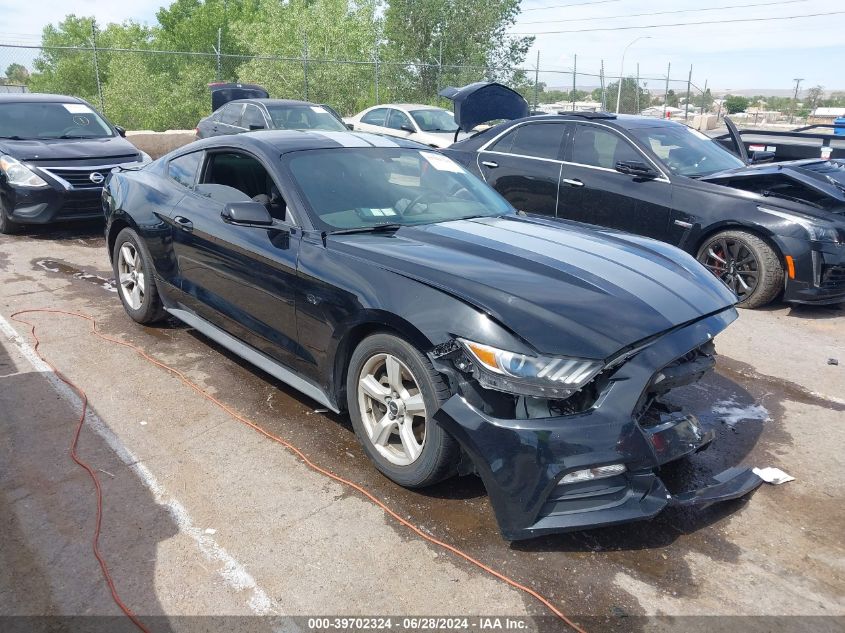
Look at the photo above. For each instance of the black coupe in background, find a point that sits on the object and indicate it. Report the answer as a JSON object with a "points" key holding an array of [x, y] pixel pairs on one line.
{"points": [[461, 336], [764, 229]]}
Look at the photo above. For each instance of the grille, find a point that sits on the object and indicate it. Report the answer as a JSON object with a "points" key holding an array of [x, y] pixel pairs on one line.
{"points": [[833, 277], [80, 178], [82, 205]]}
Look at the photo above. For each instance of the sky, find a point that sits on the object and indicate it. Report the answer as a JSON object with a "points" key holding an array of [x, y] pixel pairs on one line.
{"points": [[766, 54]]}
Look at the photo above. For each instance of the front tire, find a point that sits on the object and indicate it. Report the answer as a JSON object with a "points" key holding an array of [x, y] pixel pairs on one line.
{"points": [[135, 278], [392, 392], [7, 226], [746, 264]]}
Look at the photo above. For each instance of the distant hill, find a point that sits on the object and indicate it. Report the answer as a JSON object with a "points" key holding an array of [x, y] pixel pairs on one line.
{"points": [[717, 92]]}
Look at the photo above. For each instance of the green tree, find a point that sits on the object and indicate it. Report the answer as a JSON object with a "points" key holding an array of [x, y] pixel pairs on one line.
{"points": [[469, 37], [630, 99], [17, 74], [671, 99], [735, 104], [814, 96], [704, 100]]}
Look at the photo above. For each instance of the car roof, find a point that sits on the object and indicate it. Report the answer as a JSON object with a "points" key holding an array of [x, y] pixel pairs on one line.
{"points": [[625, 121], [285, 141], [408, 106], [266, 102], [37, 97]]}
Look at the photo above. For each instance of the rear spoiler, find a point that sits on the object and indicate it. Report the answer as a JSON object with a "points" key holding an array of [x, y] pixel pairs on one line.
{"points": [[484, 101]]}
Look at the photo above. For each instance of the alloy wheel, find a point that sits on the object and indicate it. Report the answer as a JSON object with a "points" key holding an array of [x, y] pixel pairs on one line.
{"points": [[392, 409], [131, 276], [733, 262]]}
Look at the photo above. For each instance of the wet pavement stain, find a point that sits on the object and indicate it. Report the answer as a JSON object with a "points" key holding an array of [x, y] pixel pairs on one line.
{"points": [[63, 268]]}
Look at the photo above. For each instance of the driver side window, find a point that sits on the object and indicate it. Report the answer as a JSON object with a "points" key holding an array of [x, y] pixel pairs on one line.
{"points": [[238, 177]]}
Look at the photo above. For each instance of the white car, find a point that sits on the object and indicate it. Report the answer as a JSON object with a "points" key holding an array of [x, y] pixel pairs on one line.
{"points": [[422, 123]]}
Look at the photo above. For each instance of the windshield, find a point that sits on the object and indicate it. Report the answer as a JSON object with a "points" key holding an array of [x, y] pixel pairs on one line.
{"points": [[435, 120], [687, 152], [352, 188], [304, 117], [51, 120]]}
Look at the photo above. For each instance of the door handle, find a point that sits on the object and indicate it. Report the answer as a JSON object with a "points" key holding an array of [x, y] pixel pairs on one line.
{"points": [[184, 223], [490, 164], [573, 182]]}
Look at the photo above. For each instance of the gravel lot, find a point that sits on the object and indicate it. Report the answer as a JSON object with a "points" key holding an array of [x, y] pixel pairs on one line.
{"points": [[204, 516]]}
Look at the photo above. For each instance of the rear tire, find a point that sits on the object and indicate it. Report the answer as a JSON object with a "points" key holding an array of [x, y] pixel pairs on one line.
{"points": [[7, 226], [135, 278], [392, 392], [746, 264]]}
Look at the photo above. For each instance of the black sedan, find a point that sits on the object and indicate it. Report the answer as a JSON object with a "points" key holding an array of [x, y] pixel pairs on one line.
{"points": [[460, 335], [246, 115], [55, 154], [764, 229]]}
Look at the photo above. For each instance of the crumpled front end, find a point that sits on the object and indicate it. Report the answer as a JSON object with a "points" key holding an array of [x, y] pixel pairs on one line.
{"points": [[590, 460]]}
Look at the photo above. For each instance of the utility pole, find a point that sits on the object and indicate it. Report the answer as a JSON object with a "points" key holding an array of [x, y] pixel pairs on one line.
{"points": [[537, 81], [666, 91], [601, 81], [574, 75], [638, 88], [622, 71], [217, 50], [794, 99], [97, 65], [686, 105]]}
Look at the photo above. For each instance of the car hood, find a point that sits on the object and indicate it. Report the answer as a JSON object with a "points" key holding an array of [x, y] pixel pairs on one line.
{"points": [[562, 287], [110, 149], [826, 178]]}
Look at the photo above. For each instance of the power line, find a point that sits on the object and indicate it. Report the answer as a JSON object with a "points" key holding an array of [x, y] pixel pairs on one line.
{"points": [[574, 4], [657, 26], [639, 15]]}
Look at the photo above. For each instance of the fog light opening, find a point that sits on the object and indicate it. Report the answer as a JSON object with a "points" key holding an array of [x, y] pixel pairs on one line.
{"points": [[599, 472]]}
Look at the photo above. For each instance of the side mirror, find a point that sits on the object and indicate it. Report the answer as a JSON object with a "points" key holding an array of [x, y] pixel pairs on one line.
{"points": [[636, 168], [120, 130], [246, 214], [255, 126], [350, 126], [761, 157], [407, 128]]}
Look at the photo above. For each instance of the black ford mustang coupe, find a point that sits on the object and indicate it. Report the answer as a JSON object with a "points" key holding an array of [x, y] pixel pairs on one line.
{"points": [[384, 279]]}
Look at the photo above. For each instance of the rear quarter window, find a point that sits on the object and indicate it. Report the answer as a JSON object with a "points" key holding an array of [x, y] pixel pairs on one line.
{"points": [[184, 168]]}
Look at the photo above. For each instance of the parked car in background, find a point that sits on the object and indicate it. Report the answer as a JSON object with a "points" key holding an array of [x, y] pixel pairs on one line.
{"points": [[386, 280], [247, 115], [764, 229], [424, 124], [55, 153]]}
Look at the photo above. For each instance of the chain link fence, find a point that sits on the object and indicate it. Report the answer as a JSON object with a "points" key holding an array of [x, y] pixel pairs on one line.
{"points": [[159, 90]]}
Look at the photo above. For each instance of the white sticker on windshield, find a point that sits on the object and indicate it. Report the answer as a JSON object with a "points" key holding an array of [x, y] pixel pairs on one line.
{"points": [[318, 109], [77, 108], [440, 162]]}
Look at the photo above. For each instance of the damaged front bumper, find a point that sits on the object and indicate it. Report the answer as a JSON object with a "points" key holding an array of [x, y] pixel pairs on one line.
{"points": [[523, 462]]}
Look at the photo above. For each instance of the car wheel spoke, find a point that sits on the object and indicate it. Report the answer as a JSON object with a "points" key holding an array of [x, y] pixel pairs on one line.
{"points": [[394, 373], [414, 405], [713, 254], [125, 280], [374, 389], [128, 256], [382, 430], [409, 441]]}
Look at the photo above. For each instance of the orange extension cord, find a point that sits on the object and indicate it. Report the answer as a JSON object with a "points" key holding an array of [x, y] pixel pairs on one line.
{"points": [[187, 382]]}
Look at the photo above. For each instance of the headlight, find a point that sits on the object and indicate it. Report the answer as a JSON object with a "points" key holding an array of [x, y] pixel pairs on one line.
{"points": [[19, 175], [541, 376], [817, 231]]}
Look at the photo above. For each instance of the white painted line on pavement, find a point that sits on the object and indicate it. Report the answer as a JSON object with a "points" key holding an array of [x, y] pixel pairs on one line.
{"points": [[233, 572]]}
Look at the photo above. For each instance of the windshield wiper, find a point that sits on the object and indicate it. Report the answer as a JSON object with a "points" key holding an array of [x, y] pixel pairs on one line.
{"points": [[775, 194], [15, 138], [65, 137], [376, 228]]}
